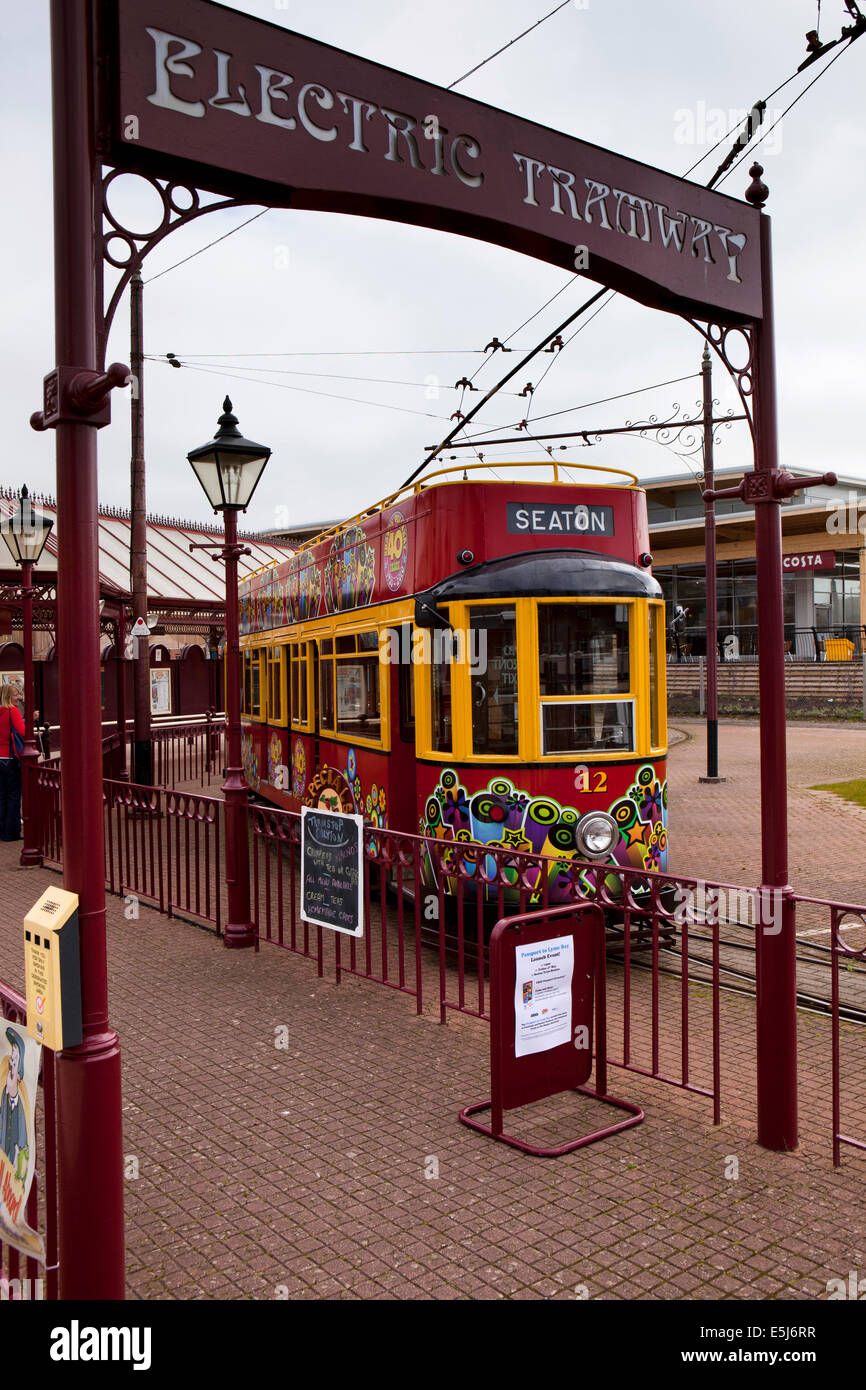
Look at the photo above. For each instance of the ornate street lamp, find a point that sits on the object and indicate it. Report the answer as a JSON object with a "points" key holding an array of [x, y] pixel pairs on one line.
{"points": [[25, 532], [229, 468]]}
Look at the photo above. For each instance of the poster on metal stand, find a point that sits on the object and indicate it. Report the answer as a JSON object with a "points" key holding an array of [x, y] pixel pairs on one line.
{"points": [[547, 999]]}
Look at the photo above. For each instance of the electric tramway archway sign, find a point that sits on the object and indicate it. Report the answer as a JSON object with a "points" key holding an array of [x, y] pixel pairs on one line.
{"points": [[196, 97]]}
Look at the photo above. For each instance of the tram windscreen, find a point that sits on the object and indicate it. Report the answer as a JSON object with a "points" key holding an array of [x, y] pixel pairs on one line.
{"points": [[583, 648], [494, 683]]}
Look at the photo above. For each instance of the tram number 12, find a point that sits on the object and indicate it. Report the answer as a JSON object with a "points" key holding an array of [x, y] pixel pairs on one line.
{"points": [[586, 780]]}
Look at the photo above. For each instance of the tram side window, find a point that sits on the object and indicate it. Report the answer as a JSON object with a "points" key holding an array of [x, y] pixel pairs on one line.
{"points": [[494, 685], [299, 658], [357, 679], [252, 699], [276, 713], [326, 686]]}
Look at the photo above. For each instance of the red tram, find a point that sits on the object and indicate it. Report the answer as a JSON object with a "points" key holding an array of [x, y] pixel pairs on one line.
{"points": [[478, 661]]}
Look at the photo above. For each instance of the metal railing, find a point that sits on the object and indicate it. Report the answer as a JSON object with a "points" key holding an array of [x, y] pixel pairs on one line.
{"points": [[429, 907], [22, 1277], [740, 643]]}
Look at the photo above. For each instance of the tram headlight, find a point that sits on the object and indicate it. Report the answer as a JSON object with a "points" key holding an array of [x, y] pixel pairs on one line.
{"points": [[596, 835]]}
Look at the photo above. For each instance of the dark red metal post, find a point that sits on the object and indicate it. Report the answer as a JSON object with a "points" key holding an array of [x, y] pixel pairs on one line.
{"points": [[89, 1129], [143, 749], [239, 930], [120, 633], [776, 939], [31, 851], [711, 579]]}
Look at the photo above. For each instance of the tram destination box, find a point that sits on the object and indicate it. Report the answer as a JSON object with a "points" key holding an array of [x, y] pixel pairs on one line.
{"points": [[332, 870]]}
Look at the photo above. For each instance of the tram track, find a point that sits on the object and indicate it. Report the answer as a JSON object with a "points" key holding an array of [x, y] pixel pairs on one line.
{"points": [[852, 979]]}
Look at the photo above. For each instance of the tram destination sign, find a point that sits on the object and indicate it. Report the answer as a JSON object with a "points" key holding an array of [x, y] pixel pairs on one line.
{"points": [[332, 870], [527, 518], [199, 94]]}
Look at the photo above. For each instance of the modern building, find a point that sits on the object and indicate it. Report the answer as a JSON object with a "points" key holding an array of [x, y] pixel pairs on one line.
{"points": [[824, 556]]}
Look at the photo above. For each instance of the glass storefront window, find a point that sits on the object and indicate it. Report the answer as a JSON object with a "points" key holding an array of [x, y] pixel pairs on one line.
{"points": [[494, 691], [587, 726], [583, 648]]}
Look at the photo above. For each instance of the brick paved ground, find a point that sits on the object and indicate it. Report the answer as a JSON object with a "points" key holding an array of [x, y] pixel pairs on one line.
{"points": [[310, 1169]]}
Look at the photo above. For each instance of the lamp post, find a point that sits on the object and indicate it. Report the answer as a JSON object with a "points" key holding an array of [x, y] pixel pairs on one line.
{"points": [[25, 533], [229, 468]]}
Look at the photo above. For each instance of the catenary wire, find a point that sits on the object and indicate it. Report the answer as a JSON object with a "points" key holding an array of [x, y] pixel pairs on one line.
{"points": [[510, 44]]}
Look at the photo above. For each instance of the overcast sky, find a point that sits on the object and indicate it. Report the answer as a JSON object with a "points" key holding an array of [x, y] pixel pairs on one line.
{"points": [[649, 80]]}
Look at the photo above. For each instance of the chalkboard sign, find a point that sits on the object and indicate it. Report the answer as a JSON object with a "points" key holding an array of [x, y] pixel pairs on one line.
{"points": [[332, 870]]}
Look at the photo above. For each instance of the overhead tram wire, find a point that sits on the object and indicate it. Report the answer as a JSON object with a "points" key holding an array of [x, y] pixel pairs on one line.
{"points": [[285, 371], [450, 87], [722, 171], [202, 249], [452, 434], [310, 391], [604, 400], [747, 153], [510, 44]]}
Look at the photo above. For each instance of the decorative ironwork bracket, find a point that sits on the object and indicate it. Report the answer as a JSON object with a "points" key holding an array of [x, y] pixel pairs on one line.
{"points": [[770, 487], [126, 249], [722, 338], [73, 396]]}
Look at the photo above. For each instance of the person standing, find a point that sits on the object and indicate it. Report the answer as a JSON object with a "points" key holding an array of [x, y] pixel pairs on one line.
{"points": [[11, 723]]}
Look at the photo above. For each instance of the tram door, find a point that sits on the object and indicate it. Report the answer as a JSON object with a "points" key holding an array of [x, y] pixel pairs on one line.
{"points": [[401, 794]]}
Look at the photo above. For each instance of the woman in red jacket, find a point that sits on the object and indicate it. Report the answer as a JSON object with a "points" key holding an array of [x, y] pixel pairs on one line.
{"points": [[10, 767]]}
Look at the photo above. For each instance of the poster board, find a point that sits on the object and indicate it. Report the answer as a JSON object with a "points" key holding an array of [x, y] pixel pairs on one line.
{"points": [[332, 870], [160, 692]]}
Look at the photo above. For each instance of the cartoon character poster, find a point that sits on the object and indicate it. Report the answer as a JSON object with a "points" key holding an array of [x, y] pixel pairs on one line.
{"points": [[19, 1075]]}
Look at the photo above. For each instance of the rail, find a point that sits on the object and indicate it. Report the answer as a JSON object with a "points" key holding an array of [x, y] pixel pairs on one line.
{"points": [[429, 905], [739, 643]]}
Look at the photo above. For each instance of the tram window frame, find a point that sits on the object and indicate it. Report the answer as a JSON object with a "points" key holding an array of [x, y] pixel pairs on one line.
{"points": [[251, 682], [590, 749], [360, 649], [658, 722], [406, 688], [327, 708], [275, 664], [627, 697], [473, 610], [300, 702]]}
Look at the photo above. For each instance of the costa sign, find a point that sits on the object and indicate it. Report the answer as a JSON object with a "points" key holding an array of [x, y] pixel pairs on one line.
{"points": [[812, 560], [200, 93]]}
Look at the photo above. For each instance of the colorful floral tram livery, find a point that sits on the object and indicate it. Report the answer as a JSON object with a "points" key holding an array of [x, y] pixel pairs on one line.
{"points": [[482, 662]]}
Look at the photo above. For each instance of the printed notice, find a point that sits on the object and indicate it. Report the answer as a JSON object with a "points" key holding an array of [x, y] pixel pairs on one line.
{"points": [[542, 995]]}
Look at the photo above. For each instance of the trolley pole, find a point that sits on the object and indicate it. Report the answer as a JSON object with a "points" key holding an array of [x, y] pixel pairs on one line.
{"points": [[89, 1119], [711, 580], [142, 771]]}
